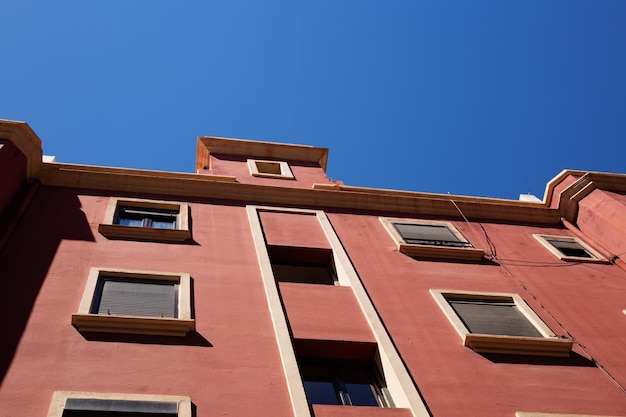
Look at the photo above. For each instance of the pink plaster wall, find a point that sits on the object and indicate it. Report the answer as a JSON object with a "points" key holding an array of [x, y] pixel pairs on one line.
{"points": [[12, 172], [602, 216], [585, 299], [324, 312], [291, 229], [230, 366], [343, 411]]}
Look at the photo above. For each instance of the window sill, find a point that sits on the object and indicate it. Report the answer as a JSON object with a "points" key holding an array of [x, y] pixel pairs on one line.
{"points": [[442, 252], [115, 231], [323, 410], [133, 325], [518, 345]]}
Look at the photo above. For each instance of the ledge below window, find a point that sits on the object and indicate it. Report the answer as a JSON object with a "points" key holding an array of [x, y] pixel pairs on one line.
{"points": [[115, 231], [518, 345], [442, 252], [322, 410], [133, 325]]}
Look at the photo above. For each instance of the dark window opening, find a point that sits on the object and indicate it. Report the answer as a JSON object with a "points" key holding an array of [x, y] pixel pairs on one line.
{"points": [[136, 297], [429, 234], [342, 383], [265, 167], [143, 217], [569, 247], [88, 407], [493, 317], [302, 265]]}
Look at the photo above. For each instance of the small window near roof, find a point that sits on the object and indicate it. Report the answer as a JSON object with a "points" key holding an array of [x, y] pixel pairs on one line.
{"points": [[499, 323], [342, 382], [430, 239], [142, 302], [270, 169], [149, 220], [570, 248]]}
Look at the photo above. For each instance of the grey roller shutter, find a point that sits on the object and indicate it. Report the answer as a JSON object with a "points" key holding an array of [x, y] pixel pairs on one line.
{"points": [[499, 318], [427, 234], [144, 298]]}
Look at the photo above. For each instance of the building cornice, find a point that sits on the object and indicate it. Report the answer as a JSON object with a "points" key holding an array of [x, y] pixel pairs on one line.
{"points": [[25, 139], [320, 196], [257, 149]]}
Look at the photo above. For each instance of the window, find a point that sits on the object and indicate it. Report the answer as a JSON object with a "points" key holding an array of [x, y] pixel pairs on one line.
{"points": [[146, 220], [269, 169], [140, 302], [499, 323], [302, 265], [430, 239], [154, 218], [92, 404], [342, 383], [570, 248]]}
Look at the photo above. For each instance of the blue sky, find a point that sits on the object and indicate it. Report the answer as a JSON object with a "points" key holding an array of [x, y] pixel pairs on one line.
{"points": [[485, 98]]}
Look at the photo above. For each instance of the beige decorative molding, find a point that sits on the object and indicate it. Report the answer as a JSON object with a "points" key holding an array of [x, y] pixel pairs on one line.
{"points": [[207, 186], [86, 321], [59, 398], [399, 383], [269, 150]]}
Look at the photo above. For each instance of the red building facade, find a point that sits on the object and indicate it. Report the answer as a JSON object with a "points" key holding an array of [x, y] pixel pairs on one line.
{"points": [[257, 286]]}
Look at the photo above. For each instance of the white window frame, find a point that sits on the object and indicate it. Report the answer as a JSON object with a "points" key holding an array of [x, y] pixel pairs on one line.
{"points": [[285, 171], [109, 229], [86, 321], [547, 345], [59, 399], [469, 253], [544, 240]]}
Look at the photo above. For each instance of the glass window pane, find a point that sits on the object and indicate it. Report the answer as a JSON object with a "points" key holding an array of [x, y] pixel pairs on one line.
{"points": [[320, 392], [126, 221], [162, 224], [361, 394]]}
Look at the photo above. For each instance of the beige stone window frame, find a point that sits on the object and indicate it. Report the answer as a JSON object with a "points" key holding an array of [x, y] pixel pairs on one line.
{"points": [[86, 321], [468, 253], [116, 231], [59, 399], [270, 169], [548, 345], [401, 389], [597, 257]]}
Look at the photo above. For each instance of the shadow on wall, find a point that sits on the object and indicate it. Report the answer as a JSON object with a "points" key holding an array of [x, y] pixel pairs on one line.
{"points": [[53, 215]]}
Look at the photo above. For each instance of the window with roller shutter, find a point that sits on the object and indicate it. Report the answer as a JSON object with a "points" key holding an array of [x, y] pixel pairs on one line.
{"points": [[141, 302], [569, 248], [499, 323], [430, 239]]}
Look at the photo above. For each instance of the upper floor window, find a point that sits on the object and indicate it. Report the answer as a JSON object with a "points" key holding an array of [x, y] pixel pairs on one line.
{"points": [[141, 302], [147, 217], [430, 239], [302, 265], [346, 382], [499, 323], [270, 169], [152, 220], [569, 248]]}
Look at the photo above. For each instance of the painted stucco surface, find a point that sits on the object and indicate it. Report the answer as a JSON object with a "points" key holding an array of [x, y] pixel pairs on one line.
{"points": [[49, 260], [585, 299]]}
